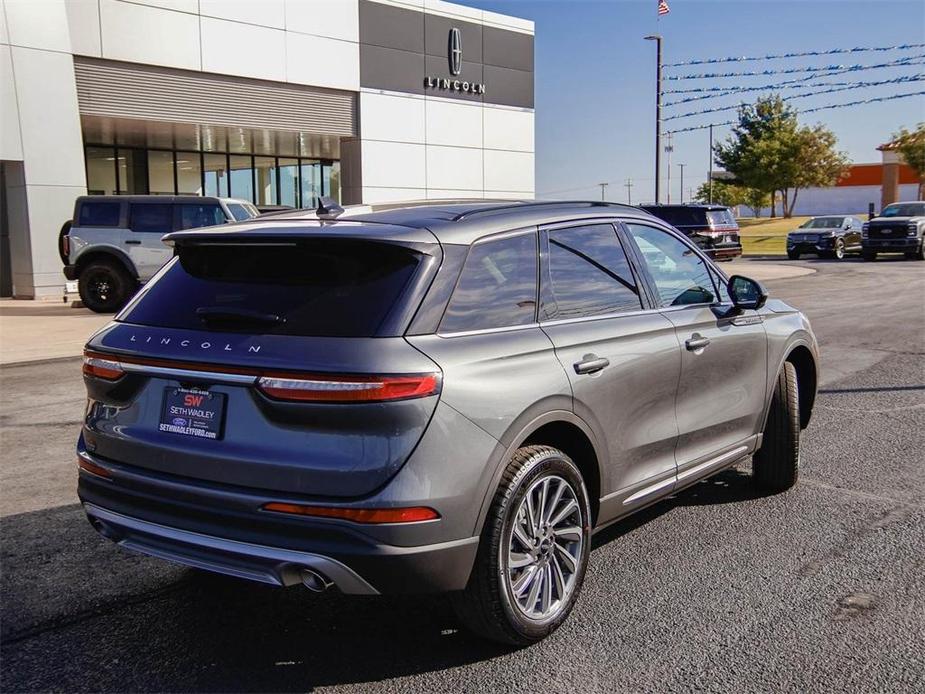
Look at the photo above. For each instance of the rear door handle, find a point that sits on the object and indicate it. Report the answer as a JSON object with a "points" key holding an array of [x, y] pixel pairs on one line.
{"points": [[591, 363], [696, 342], [133, 242]]}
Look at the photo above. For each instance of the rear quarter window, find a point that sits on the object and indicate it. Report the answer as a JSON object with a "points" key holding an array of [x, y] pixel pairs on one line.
{"points": [[151, 218], [497, 286], [314, 287], [99, 214]]}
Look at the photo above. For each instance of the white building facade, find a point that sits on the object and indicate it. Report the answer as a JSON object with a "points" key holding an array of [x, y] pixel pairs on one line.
{"points": [[274, 101]]}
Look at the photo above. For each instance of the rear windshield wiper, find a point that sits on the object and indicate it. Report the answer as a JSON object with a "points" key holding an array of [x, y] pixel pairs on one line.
{"points": [[209, 314]]}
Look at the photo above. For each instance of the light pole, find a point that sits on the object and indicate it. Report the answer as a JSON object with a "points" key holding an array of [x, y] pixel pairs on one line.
{"points": [[603, 185], [710, 174], [629, 187], [681, 166], [669, 148], [658, 109]]}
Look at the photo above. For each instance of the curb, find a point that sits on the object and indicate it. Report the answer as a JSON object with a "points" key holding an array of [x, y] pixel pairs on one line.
{"points": [[37, 362]]}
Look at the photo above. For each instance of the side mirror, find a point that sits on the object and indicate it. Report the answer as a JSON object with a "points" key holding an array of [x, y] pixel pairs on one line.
{"points": [[746, 292]]}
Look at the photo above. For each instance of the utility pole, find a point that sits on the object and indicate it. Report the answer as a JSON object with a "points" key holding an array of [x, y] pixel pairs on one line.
{"points": [[603, 185], [658, 111], [682, 182], [628, 185], [710, 175], [669, 148]]}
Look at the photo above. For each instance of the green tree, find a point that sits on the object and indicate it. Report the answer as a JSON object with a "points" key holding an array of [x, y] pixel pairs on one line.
{"points": [[769, 152], [911, 147], [732, 195]]}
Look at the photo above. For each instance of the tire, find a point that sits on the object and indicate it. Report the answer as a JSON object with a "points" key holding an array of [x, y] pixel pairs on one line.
{"points": [[838, 252], [776, 465], [793, 255], [868, 256], [489, 605], [917, 255], [65, 230], [105, 286]]}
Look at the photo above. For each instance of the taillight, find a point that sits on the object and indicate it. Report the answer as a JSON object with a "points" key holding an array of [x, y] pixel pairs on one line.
{"points": [[293, 387], [66, 246], [99, 366], [413, 514], [321, 388]]}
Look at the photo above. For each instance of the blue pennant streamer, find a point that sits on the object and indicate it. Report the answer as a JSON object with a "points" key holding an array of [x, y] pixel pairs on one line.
{"points": [[832, 51], [810, 110]]}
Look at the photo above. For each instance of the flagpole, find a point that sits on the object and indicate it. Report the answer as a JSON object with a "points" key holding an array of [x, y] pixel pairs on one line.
{"points": [[658, 112]]}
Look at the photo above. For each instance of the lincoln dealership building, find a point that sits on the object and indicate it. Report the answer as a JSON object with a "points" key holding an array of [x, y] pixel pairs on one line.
{"points": [[273, 101]]}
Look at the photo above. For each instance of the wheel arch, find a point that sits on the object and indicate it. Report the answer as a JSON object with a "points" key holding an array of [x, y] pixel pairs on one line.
{"points": [[106, 253], [567, 432]]}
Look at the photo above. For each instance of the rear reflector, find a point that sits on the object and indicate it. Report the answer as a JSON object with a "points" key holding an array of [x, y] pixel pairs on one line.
{"points": [[93, 468], [317, 388], [413, 514], [101, 367]]}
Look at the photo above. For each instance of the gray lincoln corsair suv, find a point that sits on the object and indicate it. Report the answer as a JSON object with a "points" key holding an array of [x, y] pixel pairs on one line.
{"points": [[432, 397]]}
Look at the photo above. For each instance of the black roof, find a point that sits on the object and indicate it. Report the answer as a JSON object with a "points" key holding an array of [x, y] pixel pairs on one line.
{"points": [[450, 221], [194, 199], [686, 206]]}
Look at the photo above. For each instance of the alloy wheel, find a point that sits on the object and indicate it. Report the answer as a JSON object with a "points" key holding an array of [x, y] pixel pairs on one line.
{"points": [[544, 548]]}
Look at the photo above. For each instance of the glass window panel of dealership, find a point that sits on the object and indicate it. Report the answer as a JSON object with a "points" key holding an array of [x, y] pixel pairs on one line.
{"points": [[262, 180]]}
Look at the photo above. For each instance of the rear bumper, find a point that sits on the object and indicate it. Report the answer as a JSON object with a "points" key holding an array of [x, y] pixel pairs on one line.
{"points": [[225, 531], [70, 272], [725, 252]]}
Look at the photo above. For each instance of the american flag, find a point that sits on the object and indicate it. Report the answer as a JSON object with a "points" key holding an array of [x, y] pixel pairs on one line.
{"points": [[663, 7]]}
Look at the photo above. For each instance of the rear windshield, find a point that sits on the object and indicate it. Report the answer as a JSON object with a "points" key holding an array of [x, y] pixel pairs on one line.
{"points": [[316, 287], [721, 218], [680, 216]]}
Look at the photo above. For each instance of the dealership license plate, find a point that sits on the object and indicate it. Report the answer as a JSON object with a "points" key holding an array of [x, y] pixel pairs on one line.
{"points": [[193, 412]]}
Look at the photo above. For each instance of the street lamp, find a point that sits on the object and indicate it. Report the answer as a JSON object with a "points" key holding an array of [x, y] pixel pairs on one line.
{"points": [[682, 182], [658, 109]]}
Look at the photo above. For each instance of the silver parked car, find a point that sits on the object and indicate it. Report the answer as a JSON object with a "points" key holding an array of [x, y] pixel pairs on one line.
{"points": [[432, 397], [113, 244]]}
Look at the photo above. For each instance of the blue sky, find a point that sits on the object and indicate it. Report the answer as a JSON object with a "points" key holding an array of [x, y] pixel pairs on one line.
{"points": [[595, 79]]}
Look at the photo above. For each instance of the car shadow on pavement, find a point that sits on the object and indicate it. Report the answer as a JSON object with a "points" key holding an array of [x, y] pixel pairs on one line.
{"points": [[728, 487], [80, 613]]}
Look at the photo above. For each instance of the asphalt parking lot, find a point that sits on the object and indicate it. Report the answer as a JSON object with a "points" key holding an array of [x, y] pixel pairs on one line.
{"points": [[716, 589]]}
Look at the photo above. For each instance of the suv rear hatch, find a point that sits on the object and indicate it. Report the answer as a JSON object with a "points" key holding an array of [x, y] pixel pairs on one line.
{"points": [[269, 360]]}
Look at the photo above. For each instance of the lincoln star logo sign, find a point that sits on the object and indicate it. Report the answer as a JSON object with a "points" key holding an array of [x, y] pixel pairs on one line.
{"points": [[454, 56], [455, 52]]}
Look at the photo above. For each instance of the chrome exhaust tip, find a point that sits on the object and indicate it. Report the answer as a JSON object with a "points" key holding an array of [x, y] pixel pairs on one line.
{"points": [[314, 581]]}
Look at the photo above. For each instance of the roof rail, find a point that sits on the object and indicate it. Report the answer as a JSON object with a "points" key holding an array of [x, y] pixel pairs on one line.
{"points": [[529, 205]]}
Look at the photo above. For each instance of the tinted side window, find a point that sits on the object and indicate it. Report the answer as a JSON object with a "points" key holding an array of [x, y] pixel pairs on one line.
{"points": [[155, 218], [205, 215], [680, 276], [588, 274], [497, 287], [99, 214]]}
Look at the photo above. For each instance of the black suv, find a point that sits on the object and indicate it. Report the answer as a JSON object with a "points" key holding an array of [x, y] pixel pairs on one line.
{"points": [[712, 227]]}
